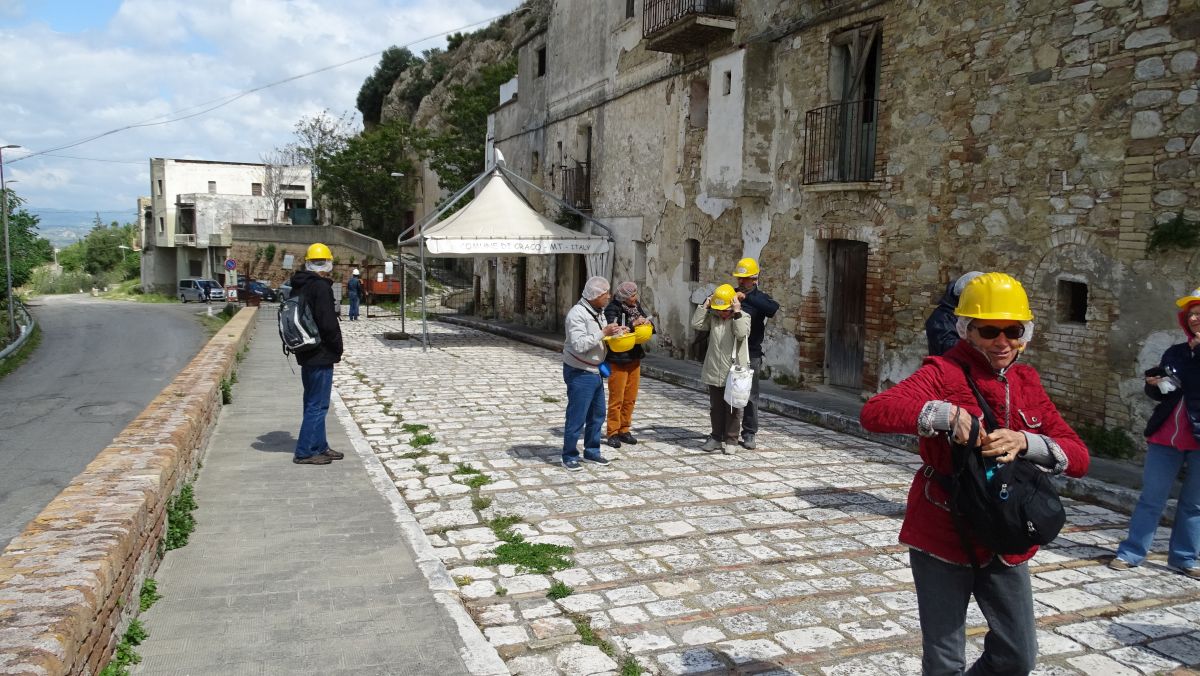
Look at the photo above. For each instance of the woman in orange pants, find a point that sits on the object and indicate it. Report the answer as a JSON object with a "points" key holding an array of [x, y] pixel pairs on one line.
{"points": [[626, 366]]}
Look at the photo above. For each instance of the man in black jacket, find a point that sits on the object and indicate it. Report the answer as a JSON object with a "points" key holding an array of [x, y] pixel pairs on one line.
{"points": [[316, 365], [761, 307], [940, 329]]}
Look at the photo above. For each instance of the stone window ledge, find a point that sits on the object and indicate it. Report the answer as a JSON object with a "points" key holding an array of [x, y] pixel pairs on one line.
{"points": [[849, 186]]}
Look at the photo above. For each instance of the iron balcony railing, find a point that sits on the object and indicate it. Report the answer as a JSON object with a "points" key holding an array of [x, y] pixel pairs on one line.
{"points": [[577, 186], [839, 146], [660, 14]]}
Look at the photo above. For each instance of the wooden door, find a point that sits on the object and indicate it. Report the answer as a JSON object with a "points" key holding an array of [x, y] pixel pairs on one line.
{"points": [[846, 294], [519, 286]]}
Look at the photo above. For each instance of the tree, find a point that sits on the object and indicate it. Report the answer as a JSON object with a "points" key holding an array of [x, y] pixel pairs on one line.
{"points": [[28, 250], [279, 171], [456, 154], [393, 62], [358, 180], [318, 137]]}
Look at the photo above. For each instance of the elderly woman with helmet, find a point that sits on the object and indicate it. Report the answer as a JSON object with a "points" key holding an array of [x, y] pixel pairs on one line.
{"points": [[624, 310], [583, 354], [938, 404], [1173, 442], [728, 333]]}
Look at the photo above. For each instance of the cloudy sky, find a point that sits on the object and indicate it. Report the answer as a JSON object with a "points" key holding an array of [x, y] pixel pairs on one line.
{"points": [[74, 69]]}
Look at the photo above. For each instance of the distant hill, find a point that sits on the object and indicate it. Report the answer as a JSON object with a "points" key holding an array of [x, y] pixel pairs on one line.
{"points": [[65, 226]]}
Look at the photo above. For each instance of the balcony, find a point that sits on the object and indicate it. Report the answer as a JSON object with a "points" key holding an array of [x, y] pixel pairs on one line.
{"points": [[185, 239], [839, 146], [577, 186], [678, 26]]}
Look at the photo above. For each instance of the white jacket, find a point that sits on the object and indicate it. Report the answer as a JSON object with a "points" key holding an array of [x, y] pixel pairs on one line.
{"points": [[584, 346]]}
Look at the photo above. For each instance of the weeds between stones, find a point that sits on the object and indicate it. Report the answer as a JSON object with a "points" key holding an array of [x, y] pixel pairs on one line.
{"points": [[528, 557], [148, 595], [480, 503], [588, 636], [180, 522], [559, 590], [125, 656]]}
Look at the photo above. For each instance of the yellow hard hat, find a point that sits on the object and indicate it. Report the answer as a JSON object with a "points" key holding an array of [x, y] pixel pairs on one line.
{"points": [[722, 298], [747, 267], [1191, 297], [994, 295], [318, 252]]}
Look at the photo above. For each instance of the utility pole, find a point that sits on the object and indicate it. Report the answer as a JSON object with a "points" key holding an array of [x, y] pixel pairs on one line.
{"points": [[12, 318]]}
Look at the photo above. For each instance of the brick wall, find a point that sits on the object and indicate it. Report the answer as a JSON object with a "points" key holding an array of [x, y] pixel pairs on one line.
{"points": [[69, 581]]}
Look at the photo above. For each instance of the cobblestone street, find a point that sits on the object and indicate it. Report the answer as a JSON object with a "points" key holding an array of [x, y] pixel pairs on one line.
{"points": [[782, 560]]}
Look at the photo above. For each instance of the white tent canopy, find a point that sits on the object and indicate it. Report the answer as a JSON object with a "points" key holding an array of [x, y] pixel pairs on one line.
{"points": [[499, 222]]}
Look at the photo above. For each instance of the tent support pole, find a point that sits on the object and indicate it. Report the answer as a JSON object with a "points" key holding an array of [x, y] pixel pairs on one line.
{"points": [[560, 202]]}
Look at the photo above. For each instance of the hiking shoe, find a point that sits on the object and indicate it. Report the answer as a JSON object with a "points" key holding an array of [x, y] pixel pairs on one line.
{"points": [[597, 458], [334, 455], [572, 464], [627, 438], [748, 442], [711, 445], [1117, 563], [614, 441], [1193, 572], [730, 447], [318, 459]]}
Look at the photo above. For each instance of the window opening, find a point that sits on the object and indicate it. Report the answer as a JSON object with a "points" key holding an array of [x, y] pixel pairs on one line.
{"points": [[728, 83], [541, 61], [212, 187], [1072, 301], [693, 253], [256, 189]]}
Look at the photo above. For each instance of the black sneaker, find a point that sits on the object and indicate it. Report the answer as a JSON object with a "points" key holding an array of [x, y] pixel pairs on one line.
{"points": [[627, 438], [334, 455], [597, 459], [614, 441], [572, 464], [318, 459]]}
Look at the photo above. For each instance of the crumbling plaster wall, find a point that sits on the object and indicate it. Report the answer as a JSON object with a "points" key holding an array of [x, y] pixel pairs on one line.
{"points": [[1044, 139]]}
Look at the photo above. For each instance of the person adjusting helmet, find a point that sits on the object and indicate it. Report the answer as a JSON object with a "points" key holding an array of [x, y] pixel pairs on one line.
{"points": [[747, 267], [760, 307], [994, 295], [722, 298]]}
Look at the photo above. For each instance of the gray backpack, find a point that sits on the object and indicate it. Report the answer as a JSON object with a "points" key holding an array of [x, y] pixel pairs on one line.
{"points": [[297, 328]]}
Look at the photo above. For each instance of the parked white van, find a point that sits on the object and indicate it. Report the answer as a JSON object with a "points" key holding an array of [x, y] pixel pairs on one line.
{"points": [[199, 290]]}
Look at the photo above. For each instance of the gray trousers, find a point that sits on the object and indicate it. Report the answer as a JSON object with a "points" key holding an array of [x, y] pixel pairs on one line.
{"points": [[750, 413], [1005, 598]]}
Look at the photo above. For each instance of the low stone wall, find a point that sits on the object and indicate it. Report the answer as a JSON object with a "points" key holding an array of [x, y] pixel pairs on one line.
{"points": [[69, 583]]}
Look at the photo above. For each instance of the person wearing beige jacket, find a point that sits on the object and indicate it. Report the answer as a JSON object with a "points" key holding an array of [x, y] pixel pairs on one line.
{"points": [[728, 330]]}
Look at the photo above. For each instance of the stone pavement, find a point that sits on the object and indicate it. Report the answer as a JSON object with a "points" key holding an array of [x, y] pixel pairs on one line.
{"points": [[782, 560], [300, 569]]}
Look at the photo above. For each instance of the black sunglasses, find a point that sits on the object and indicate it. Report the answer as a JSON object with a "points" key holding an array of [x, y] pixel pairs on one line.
{"points": [[988, 332]]}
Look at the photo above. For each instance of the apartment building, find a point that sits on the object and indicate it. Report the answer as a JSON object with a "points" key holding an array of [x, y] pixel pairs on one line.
{"points": [[187, 220]]}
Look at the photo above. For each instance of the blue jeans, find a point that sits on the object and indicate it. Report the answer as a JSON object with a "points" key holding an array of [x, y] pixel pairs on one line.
{"points": [[354, 306], [585, 412], [1005, 598], [318, 385], [1158, 476]]}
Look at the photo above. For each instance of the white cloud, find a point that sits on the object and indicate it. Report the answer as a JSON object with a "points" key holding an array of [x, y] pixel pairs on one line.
{"points": [[155, 57]]}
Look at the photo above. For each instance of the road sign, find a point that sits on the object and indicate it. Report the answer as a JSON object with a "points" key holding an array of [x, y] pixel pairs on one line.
{"points": [[230, 264]]}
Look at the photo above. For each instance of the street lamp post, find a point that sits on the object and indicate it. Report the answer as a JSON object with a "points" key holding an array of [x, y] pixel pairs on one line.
{"points": [[122, 247], [12, 318]]}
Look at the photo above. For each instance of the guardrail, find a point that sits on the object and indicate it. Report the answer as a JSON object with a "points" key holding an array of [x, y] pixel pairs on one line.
{"points": [[25, 328]]}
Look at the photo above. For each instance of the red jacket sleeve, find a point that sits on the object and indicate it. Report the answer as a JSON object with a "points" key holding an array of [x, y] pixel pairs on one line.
{"points": [[895, 410], [1057, 429]]}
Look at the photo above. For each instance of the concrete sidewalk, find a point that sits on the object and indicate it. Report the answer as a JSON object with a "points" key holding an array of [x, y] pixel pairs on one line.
{"points": [[301, 569]]}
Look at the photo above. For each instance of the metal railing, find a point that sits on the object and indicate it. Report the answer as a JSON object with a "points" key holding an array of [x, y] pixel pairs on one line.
{"points": [[839, 146], [577, 186], [185, 239], [660, 14]]}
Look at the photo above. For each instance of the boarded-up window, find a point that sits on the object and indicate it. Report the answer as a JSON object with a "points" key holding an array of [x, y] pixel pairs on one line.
{"points": [[256, 189], [629, 8], [212, 187]]}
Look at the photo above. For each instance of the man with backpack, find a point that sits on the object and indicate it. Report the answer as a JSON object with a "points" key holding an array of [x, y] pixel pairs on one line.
{"points": [[761, 307], [314, 290], [953, 553]]}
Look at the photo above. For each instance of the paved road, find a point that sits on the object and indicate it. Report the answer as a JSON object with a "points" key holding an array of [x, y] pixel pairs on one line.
{"points": [[783, 560], [99, 364]]}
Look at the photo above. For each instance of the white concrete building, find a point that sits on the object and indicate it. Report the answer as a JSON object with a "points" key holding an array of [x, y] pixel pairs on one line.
{"points": [[187, 222]]}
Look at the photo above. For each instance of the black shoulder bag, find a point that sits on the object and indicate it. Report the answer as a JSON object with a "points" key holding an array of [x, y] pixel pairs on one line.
{"points": [[1015, 509]]}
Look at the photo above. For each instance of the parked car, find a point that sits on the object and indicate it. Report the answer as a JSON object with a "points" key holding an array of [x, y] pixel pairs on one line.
{"points": [[258, 288], [199, 290]]}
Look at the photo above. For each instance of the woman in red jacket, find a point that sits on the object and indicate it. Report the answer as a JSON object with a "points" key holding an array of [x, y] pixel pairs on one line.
{"points": [[937, 403]]}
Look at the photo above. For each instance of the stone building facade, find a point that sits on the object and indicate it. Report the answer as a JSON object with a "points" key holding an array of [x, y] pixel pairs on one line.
{"points": [[867, 153]]}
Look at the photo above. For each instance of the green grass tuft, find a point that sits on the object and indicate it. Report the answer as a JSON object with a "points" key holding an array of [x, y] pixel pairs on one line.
{"points": [[559, 590]]}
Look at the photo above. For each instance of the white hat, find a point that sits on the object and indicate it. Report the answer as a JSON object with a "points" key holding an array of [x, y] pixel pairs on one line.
{"points": [[354, 272]]}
